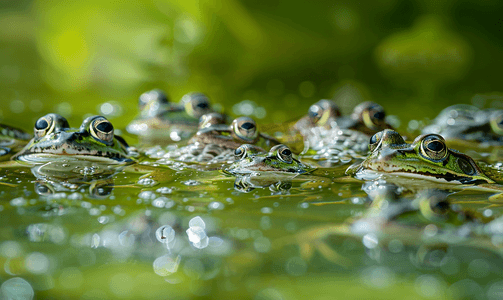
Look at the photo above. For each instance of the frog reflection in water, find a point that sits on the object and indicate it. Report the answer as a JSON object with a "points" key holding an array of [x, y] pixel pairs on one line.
{"points": [[427, 157], [11, 140], [95, 140], [161, 121], [393, 217], [216, 142]]}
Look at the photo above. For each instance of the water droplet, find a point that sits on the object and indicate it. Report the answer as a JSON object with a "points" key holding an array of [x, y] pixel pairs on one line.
{"points": [[166, 265], [197, 236], [164, 190], [370, 240], [191, 182], [216, 205], [18, 202], [165, 234], [37, 263], [197, 222], [16, 288], [266, 210]]}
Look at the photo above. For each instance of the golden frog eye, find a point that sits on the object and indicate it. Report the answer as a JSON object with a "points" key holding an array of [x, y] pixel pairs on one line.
{"points": [[196, 104], [320, 112], [433, 146], [373, 116], [240, 152], [496, 122], [48, 123], [374, 141], [102, 129], [150, 96], [244, 128], [283, 153]]}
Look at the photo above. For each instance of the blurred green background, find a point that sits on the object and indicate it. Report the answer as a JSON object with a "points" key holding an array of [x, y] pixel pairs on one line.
{"points": [[413, 57]]}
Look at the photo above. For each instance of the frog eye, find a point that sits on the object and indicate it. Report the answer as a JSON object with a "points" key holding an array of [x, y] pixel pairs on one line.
{"points": [[314, 113], [374, 141], [240, 152], [320, 112], [373, 116], [496, 122], [433, 146], [102, 129], [43, 126], [150, 96], [244, 128], [196, 104], [48, 124], [283, 153]]}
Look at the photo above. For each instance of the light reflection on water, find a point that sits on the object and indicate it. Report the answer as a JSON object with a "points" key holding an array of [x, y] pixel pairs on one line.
{"points": [[205, 236]]}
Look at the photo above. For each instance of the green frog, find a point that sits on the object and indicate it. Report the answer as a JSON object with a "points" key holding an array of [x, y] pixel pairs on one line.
{"points": [[161, 121], [427, 157], [216, 142], [367, 117], [11, 140], [94, 141], [279, 159], [334, 139]]}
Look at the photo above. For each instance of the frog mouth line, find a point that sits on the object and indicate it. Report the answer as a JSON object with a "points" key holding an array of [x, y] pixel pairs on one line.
{"points": [[446, 177]]}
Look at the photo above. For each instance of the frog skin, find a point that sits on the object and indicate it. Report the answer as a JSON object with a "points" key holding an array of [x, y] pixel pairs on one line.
{"points": [[161, 121], [279, 159], [335, 139], [323, 113], [367, 117], [217, 142], [11, 140], [55, 140], [427, 158], [458, 123]]}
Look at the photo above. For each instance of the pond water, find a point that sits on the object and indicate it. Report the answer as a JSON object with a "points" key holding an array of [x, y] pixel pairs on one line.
{"points": [[162, 230], [157, 231]]}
